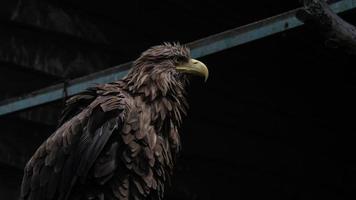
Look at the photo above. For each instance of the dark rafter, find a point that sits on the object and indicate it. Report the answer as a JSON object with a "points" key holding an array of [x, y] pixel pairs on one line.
{"points": [[338, 32]]}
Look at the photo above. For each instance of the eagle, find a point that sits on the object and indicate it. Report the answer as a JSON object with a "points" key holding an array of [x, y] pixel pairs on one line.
{"points": [[120, 140]]}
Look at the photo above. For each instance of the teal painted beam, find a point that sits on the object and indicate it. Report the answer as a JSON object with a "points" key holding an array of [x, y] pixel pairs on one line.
{"points": [[203, 47]]}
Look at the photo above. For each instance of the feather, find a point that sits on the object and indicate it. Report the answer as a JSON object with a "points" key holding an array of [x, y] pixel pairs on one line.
{"points": [[151, 137], [135, 148], [52, 185], [148, 178], [139, 186], [126, 129], [105, 169], [25, 187], [126, 157], [154, 184], [107, 166], [115, 188], [128, 138], [35, 180], [135, 125], [167, 104], [44, 176], [34, 195], [60, 161]]}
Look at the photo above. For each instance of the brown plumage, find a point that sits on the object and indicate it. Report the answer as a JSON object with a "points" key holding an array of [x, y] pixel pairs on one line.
{"points": [[118, 140]]}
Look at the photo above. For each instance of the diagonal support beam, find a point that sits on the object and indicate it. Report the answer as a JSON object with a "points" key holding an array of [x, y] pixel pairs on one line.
{"points": [[199, 48]]}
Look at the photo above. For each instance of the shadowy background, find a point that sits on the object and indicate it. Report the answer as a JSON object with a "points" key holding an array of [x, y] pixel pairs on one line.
{"points": [[275, 119]]}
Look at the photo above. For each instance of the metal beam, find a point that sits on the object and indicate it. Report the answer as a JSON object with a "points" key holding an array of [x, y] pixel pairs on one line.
{"points": [[203, 47]]}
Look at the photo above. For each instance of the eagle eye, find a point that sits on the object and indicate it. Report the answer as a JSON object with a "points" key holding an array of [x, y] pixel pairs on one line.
{"points": [[180, 59]]}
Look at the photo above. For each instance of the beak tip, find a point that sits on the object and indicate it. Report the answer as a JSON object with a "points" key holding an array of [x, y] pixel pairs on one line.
{"points": [[206, 75], [195, 67]]}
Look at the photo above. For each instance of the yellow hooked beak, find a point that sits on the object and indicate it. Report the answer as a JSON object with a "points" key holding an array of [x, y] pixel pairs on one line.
{"points": [[194, 67]]}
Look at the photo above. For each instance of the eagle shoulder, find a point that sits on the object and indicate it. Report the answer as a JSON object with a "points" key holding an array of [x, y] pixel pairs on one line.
{"points": [[65, 159]]}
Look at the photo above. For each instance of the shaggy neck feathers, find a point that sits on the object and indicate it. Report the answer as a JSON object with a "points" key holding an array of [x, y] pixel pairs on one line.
{"points": [[160, 89]]}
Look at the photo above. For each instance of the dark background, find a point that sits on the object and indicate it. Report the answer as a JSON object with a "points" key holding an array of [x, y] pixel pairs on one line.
{"points": [[275, 119]]}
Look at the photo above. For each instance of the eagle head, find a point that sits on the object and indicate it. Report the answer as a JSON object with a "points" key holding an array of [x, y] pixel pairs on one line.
{"points": [[165, 66], [171, 58]]}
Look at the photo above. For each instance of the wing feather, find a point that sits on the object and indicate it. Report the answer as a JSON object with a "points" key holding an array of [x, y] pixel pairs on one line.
{"points": [[66, 157], [105, 147]]}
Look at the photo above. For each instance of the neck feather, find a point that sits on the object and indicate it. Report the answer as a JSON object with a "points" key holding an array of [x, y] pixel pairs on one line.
{"points": [[165, 93]]}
